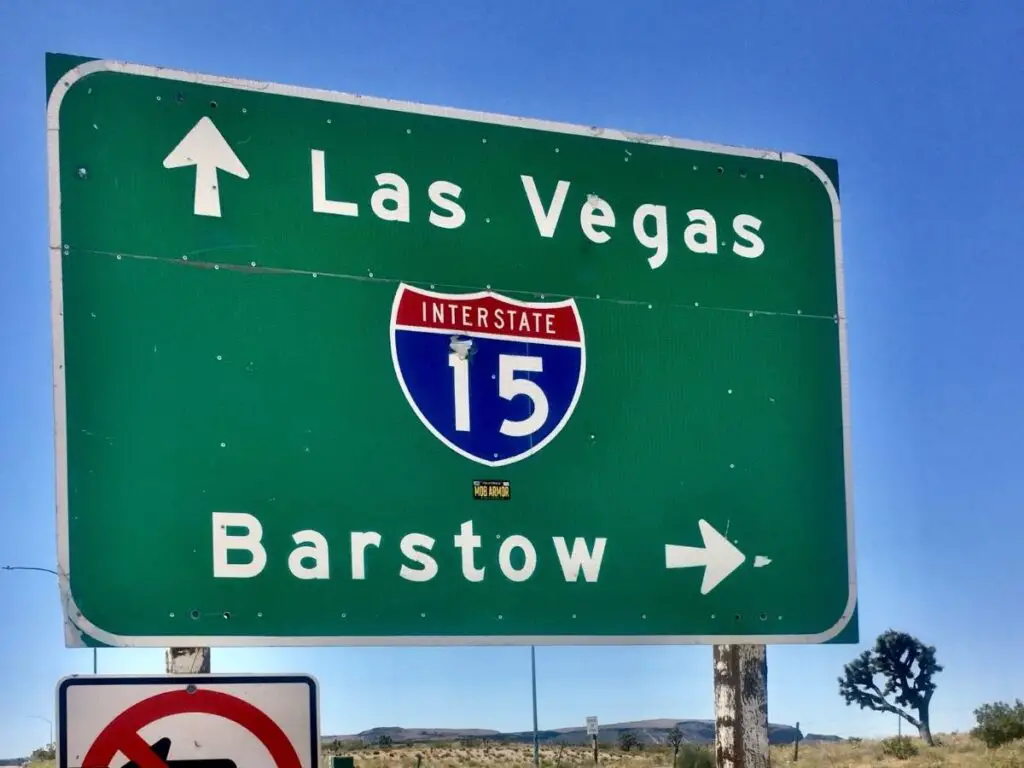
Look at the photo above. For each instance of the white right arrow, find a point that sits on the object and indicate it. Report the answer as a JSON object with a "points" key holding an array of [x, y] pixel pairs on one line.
{"points": [[718, 556], [206, 149]]}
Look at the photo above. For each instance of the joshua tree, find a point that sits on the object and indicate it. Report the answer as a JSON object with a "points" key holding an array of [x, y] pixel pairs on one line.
{"points": [[899, 667], [627, 740], [675, 738]]}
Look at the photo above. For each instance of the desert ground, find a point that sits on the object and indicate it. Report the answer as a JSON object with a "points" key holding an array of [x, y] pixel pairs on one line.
{"points": [[953, 751]]}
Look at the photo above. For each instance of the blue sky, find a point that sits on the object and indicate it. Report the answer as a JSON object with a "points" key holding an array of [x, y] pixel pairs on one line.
{"points": [[920, 104]]}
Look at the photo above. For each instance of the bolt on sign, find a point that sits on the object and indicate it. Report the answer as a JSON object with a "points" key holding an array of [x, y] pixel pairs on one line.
{"points": [[174, 721], [451, 377]]}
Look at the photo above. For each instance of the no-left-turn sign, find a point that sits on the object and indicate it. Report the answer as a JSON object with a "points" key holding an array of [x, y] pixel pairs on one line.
{"points": [[255, 721]]}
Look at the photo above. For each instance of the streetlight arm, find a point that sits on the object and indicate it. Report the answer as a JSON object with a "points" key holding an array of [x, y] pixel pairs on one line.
{"points": [[51, 571], [28, 568]]}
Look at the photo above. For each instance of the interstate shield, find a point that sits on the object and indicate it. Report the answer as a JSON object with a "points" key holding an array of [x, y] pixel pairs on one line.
{"points": [[493, 378]]}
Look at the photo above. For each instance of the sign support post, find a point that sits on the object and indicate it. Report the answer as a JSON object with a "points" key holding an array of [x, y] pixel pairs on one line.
{"points": [[592, 732], [741, 706], [188, 661]]}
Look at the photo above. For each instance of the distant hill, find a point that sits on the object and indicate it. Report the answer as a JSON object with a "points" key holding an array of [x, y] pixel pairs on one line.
{"points": [[13, 760], [646, 731]]}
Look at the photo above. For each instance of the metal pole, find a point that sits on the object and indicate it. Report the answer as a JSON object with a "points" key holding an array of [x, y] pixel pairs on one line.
{"points": [[533, 680], [95, 662], [48, 722]]}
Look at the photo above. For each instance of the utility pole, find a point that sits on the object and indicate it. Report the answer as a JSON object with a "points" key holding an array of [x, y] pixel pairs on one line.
{"points": [[533, 680], [47, 570], [48, 722], [741, 706]]}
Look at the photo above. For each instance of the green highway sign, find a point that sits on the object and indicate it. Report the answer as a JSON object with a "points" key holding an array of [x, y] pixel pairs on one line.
{"points": [[337, 370]]}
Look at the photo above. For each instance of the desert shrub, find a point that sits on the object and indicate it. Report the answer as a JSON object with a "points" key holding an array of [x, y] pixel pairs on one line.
{"points": [[627, 741], [694, 756], [900, 747], [999, 723], [49, 752]]}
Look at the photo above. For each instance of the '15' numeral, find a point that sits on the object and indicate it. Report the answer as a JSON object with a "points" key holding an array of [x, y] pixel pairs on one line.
{"points": [[508, 387]]}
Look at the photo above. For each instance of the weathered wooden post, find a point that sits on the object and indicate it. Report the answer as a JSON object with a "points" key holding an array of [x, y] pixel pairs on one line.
{"points": [[741, 706]]}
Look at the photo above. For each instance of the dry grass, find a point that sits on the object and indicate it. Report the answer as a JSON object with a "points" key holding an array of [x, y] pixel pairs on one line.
{"points": [[954, 751]]}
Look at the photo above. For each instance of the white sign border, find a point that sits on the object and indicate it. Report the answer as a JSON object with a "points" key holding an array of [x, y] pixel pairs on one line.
{"points": [[75, 616]]}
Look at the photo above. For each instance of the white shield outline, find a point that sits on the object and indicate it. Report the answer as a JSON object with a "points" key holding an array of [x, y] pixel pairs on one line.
{"points": [[570, 302]]}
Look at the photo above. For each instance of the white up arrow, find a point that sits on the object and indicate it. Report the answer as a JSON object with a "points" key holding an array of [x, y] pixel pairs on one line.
{"points": [[206, 149], [718, 556]]}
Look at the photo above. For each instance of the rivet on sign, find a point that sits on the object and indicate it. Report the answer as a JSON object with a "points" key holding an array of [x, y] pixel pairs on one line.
{"points": [[184, 258], [762, 176], [750, 314], [423, 615], [219, 357], [599, 295], [344, 615], [82, 173], [696, 303], [729, 391], [499, 616], [488, 286], [171, 614], [650, 306], [732, 466], [223, 445], [493, 376], [259, 614], [190, 688], [626, 159], [431, 286], [556, 149], [216, 267], [328, 121], [574, 615], [244, 110], [483, 141], [495, 455], [158, 98], [370, 274], [643, 615], [487, 220], [799, 311], [252, 263], [314, 274], [227, 614], [695, 167], [118, 256], [712, 615], [408, 130]]}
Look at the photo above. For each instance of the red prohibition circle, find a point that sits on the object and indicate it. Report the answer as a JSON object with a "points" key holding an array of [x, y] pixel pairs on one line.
{"points": [[122, 733]]}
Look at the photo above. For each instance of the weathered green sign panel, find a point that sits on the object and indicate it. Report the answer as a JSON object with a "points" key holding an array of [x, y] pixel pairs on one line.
{"points": [[337, 370]]}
